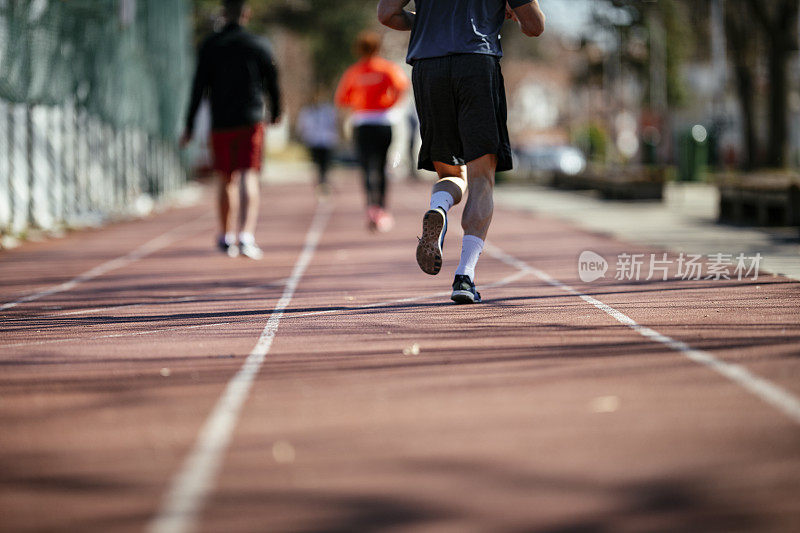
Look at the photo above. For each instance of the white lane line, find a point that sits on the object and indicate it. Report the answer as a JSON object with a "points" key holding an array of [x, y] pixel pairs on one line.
{"points": [[192, 484], [144, 250], [762, 388]]}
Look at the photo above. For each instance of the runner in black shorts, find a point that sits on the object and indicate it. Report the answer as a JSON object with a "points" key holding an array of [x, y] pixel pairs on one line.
{"points": [[455, 51]]}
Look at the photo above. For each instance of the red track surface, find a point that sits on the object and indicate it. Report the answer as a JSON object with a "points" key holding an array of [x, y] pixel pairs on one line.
{"points": [[535, 411]]}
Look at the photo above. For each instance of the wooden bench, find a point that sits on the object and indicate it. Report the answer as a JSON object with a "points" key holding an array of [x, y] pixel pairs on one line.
{"points": [[617, 183], [762, 199]]}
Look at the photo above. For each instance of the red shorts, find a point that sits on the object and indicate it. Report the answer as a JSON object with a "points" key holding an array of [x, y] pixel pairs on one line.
{"points": [[237, 148]]}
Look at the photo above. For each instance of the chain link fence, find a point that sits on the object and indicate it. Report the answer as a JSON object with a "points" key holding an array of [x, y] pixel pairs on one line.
{"points": [[91, 96]]}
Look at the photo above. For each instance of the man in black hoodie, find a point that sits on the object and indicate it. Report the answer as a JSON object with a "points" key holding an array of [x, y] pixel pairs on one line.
{"points": [[236, 71]]}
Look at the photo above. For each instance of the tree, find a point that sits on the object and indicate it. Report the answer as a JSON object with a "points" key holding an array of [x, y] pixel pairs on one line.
{"points": [[743, 50], [756, 28], [778, 22], [646, 41], [329, 27], [639, 26]]}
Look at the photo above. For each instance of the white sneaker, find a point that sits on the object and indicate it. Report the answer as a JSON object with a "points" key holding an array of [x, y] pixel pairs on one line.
{"points": [[251, 250]]}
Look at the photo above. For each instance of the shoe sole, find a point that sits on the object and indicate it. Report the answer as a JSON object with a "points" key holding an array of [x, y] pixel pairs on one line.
{"points": [[429, 253], [463, 297]]}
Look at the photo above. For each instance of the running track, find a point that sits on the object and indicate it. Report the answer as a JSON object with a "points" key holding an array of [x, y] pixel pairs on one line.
{"points": [[149, 384]]}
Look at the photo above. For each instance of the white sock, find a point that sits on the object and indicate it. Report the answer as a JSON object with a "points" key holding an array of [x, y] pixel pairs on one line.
{"points": [[471, 248], [246, 238], [442, 199], [230, 238]]}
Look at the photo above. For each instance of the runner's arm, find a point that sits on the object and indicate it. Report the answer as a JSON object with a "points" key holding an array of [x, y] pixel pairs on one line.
{"points": [[529, 15], [271, 87], [344, 90], [199, 86], [392, 14]]}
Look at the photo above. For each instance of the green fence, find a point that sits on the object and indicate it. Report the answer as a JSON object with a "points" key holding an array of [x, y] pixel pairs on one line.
{"points": [[91, 97]]}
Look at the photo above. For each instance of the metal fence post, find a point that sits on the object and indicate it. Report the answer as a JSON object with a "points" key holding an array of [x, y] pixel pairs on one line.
{"points": [[64, 162], [29, 163], [81, 148], [5, 167], [53, 143]]}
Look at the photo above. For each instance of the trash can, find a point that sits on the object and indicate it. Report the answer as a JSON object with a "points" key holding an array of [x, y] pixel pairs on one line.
{"points": [[692, 153]]}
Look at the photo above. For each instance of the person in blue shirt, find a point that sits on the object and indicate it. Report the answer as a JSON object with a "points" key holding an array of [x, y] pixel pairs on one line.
{"points": [[317, 126], [460, 96]]}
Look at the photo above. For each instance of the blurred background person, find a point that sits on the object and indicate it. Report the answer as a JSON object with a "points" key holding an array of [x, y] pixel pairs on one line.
{"points": [[370, 88], [412, 122], [236, 70], [317, 128]]}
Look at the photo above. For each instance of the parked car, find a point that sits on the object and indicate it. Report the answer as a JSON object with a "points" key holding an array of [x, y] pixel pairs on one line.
{"points": [[548, 159]]}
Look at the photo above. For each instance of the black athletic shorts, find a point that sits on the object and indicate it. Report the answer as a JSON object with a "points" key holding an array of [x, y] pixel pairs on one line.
{"points": [[461, 103]]}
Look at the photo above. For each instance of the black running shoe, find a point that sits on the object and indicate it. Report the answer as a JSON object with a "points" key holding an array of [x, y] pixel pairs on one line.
{"points": [[464, 291], [429, 248], [231, 250]]}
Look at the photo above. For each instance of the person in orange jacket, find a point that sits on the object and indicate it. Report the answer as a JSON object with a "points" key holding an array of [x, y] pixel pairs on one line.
{"points": [[369, 89]]}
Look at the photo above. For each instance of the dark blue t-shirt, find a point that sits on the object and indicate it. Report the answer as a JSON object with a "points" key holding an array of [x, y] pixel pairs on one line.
{"points": [[445, 27]]}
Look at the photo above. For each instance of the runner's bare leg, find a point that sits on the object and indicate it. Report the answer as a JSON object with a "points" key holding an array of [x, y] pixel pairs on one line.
{"points": [[228, 202], [452, 180], [480, 202], [250, 201]]}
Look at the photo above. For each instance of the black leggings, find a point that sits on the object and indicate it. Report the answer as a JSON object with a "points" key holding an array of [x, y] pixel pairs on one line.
{"points": [[321, 155], [372, 142]]}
